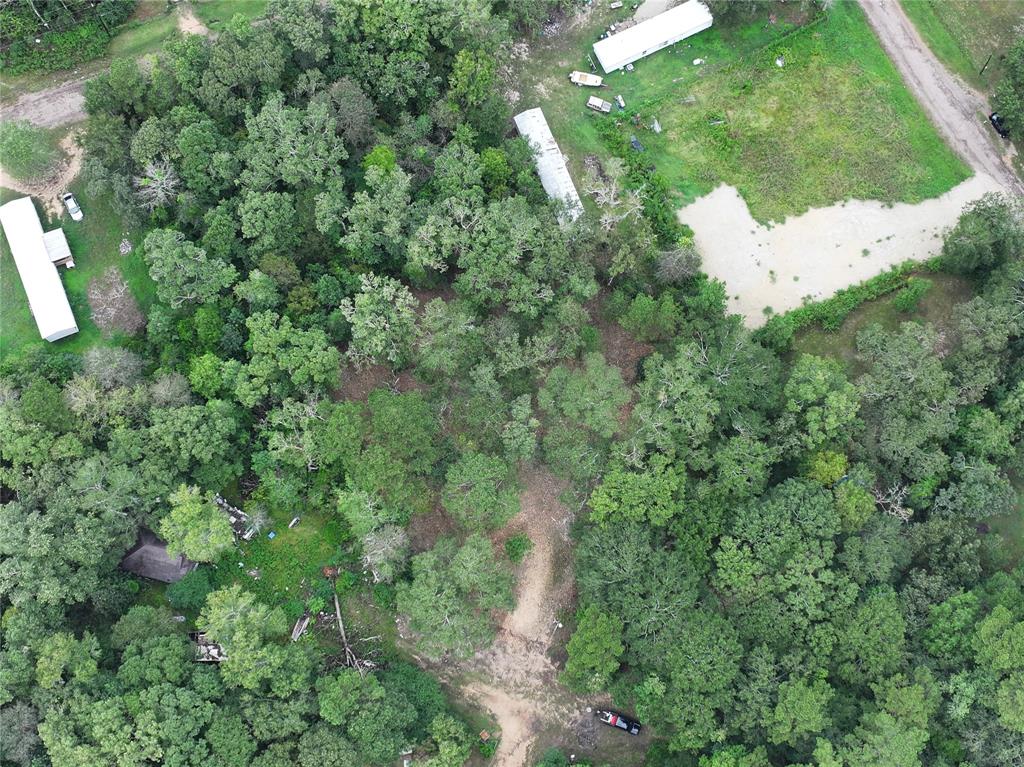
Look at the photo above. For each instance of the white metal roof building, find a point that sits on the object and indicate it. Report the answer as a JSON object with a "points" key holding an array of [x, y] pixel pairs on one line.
{"points": [[659, 32], [29, 247], [554, 175]]}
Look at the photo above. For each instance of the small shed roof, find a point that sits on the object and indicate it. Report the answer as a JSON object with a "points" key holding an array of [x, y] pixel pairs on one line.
{"points": [[56, 245], [652, 35], [149, 559], [551, 167], [45, 291]]}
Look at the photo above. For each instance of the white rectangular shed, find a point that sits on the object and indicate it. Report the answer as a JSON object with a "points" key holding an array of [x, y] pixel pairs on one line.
{"points": [[45, 291], [659, 32], [554, 175]]}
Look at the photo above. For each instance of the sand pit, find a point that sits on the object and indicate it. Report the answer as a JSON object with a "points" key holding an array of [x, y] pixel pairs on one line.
{"points": [[819, 252]]}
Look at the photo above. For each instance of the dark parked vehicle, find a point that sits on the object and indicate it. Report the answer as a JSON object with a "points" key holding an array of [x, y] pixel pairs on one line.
{"points": [[615, 719], [997, 122]]}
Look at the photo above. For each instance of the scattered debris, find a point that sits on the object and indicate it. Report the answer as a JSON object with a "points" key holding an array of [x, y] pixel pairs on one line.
{"points": [[293, 523], [656, 126], [698, 62], [125, 247], [206, 651], [634, 142], [300, 627], [780, 61], [620, 101]]}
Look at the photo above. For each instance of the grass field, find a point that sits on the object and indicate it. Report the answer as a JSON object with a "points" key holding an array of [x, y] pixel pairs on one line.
{"points": [[965, 33], [834, 122], [214, 13], [94, 244], [289, 563]]}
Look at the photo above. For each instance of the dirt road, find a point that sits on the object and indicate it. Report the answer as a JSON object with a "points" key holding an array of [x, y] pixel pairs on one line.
{"points": [[514, 678], [958, 111], [64, 103], [50, 188]]}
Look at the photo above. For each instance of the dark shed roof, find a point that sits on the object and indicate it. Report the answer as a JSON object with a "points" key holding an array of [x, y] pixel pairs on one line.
{"points": [[149, 559]]}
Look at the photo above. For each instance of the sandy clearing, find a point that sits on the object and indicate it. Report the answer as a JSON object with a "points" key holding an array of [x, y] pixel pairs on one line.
{"points": [[50, 189], [62, 104], [650, 8], [819, 252]]}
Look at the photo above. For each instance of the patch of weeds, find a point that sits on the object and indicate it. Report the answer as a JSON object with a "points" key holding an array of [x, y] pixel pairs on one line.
{"points": [[517, 547]]}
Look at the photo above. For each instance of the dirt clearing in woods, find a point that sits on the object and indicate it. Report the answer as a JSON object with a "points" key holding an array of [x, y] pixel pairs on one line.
{"points": [[49, 189]]}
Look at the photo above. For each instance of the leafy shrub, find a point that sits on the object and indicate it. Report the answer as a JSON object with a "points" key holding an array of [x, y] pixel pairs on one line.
{"points": [[651, 319], [488, 748], [910, 296], [190, 592], [517, 547], [778, 332], [26, 151]]}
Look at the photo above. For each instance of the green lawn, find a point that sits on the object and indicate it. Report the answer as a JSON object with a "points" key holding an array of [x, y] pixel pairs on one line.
{"points": [[834, 122], [214, 13], [94, 244], [965, 33]]}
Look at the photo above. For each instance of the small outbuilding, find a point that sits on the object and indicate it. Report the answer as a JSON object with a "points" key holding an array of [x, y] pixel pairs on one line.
{"points": [[649, 36], [36, 255], [551, 167], [149, 558]]}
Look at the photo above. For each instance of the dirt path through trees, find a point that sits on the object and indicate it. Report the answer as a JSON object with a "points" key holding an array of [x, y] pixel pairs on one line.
{"points": [[514, 678]]}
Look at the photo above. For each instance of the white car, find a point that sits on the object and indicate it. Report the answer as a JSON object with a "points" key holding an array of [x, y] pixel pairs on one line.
{"points": [[72, 205]]}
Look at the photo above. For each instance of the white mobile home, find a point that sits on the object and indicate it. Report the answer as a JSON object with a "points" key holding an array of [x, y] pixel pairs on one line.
{"points": [[554, 175], [35, 255], [652, 35]]}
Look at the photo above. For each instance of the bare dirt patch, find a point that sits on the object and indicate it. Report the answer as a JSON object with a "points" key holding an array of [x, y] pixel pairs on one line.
{"points": [[618, 346], [62, 104], [114, 308], [189, 24], [50, 188]]}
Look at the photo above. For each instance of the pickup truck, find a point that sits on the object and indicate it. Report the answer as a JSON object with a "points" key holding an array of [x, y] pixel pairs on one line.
{"points": [[619, 721]]}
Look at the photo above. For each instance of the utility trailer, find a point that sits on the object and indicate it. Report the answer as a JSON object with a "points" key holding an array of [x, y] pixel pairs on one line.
{"points": [[599, 105], [585, 78]]}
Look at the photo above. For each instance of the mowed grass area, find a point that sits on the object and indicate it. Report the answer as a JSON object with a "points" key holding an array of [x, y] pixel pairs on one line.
{"points": [[834, 122], [216, 13], [965, 33], [94, 243]]}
